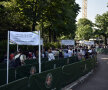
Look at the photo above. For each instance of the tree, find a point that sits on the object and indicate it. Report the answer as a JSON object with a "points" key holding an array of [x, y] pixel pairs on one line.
{"points": [[32, 10], [61, 16], [11, 18], [84, 29], [102, 25], [55, 18]]}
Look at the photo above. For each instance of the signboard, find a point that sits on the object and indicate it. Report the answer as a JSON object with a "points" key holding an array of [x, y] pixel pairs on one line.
{"points": [[41, 42], [24, 38], [87, 42], [67, 42]]}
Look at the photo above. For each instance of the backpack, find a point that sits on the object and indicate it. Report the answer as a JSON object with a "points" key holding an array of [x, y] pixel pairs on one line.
{"points": [[17, 61]]}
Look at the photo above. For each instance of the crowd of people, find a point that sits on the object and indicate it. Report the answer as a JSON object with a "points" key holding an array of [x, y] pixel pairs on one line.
{"points": [[82, 52]]}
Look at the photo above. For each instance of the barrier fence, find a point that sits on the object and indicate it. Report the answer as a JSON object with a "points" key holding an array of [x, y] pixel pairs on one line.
{"points": [[3, 76], [102, 50], [24, 71], [44, 60], [53, 79], [3, 65]]}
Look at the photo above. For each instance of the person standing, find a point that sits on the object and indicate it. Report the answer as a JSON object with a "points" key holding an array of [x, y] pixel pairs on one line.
{"points": [[50, 56], [11, 56], [70, 52], [60, 54], [17, 59], [83, 54], [66, 55], [79, 54]]}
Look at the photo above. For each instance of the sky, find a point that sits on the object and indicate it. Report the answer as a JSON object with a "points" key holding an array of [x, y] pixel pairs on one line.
{"points": [[94, 7]]}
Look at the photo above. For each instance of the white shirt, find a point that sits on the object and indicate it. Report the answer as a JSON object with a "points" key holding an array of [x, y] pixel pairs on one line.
{"points": [[55, 53], [70, 53], [51, 56], [83, 52], [90, 51], [22, 57], [16, 56]]}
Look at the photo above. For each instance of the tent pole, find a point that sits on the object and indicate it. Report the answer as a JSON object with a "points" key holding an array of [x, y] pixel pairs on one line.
{"points": [[39, 54], [8, 58]]}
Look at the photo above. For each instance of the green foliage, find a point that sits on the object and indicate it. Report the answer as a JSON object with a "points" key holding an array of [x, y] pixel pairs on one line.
{"points": [[102, 25], [11, 18], [52, 45], [54, 17], [84, 22], [84, 29]]}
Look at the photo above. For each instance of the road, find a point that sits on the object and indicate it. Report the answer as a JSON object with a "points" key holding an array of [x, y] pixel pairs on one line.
{"points": [[99, 79]]}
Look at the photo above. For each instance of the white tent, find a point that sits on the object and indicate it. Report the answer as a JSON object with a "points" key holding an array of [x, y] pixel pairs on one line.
{"points": [[23, 38]]}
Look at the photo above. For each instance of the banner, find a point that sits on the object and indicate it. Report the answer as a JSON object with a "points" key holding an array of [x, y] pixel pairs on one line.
{"points": [[86, 42], [89, 42], [67, 42], [24, 38]]}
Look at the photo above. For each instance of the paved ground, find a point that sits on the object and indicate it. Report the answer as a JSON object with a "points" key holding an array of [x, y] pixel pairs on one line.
{"points": [[99, 79]]}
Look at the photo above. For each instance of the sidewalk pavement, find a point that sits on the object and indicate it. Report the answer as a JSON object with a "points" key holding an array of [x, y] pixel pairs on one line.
{"points": [[99, 78]]}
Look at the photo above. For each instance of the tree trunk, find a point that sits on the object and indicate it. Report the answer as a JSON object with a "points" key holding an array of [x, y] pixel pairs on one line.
{"points": [[49, 35], [34, 14], [33, 26], [54, 36], [42, 29], [105, 39]]}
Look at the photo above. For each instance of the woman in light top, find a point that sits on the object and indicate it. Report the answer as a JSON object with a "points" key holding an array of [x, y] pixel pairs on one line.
{"points": [[50, 56]]}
